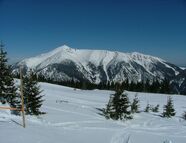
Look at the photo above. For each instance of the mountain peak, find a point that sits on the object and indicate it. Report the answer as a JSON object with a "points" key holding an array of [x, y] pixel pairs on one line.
{"points": [[63, 49]]}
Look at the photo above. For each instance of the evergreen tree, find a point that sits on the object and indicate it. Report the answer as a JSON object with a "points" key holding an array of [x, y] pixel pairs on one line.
{"points": [[127, 84], [139, 87], [165, 86], [169, 108], [156, 108], [147, 85], [13, 98], [135, 105], [118, 107], [124, 105], [132, 86], [3, 74], [84, 86], [110, 111], [32, 95], [156, 86], [8, 90], [147, 109]]}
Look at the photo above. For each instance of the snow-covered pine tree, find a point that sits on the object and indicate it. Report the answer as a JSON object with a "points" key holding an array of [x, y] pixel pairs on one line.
{"points": [[8, 90], [32, 95], [135, 104], [169, 108]]}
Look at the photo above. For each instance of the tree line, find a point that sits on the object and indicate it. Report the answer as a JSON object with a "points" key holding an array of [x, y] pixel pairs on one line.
{"points": [[154, 86]]}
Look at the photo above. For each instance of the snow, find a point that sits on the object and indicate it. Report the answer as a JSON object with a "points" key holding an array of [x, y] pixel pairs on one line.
{"points": [[72, 117], [85, 56], [183, 68], [98, 65], [176, 72]]}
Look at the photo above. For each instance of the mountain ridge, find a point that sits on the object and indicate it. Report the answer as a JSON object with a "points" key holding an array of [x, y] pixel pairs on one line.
{"points": [[95, 66]]}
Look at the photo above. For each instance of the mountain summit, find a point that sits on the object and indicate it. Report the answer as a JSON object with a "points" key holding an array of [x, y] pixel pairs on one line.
{"points": [[95, 66]]}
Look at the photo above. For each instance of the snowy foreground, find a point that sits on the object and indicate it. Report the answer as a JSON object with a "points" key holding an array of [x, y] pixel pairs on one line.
{"points": [[72, 117]]}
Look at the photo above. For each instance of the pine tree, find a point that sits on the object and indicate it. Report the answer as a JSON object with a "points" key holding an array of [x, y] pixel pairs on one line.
{"points": [[3, 74], [165, 86], [32, 95], [147, 85], [135, 105], [118, 107], [124, 105], [147, 109], [169, 108], [8, 91], [13, 98], [156, 108], [110, 111]]}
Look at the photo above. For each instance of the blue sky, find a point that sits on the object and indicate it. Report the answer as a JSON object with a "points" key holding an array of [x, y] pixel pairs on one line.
{"points": [[155, 27]]}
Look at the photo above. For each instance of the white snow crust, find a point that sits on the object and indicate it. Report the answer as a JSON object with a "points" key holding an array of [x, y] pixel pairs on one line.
{"points": [[72, 117]]}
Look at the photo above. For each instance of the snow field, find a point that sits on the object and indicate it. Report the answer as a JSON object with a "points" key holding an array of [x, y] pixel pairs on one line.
{"points": [[72, 117]]}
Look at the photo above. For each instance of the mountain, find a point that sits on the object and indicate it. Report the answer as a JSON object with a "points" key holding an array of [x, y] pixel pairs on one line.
{"points": [[65, 63], [179, 83]]}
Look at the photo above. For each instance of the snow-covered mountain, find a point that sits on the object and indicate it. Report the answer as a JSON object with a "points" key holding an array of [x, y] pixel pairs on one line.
{"points": [[65, 63]]}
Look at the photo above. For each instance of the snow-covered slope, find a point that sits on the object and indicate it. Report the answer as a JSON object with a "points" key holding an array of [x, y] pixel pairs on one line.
{"points": [[65, 63], [183, 68], [95, 66], [72, 117]]}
